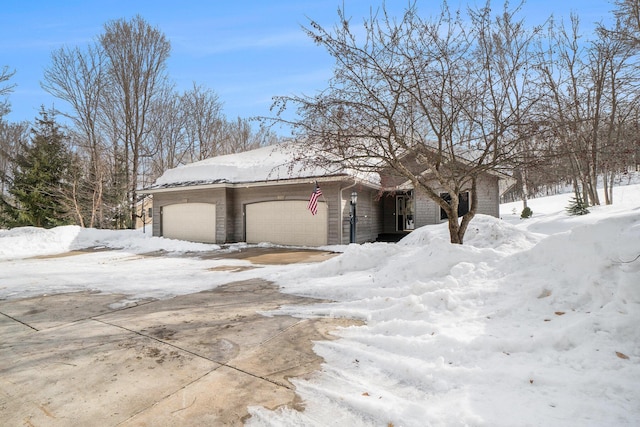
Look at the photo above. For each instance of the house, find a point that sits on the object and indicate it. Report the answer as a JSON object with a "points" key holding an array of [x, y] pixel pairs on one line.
{"points": [[262, 196], [143, 212]]}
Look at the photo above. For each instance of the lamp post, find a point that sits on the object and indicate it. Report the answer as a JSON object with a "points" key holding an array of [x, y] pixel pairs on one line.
{"points": [[352, 218]]}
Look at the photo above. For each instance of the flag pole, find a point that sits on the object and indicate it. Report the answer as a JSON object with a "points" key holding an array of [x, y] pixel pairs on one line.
{"points": [[323, 198]]}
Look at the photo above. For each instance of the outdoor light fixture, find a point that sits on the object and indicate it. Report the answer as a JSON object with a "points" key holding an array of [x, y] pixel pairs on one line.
{"points": [[352, 218]]}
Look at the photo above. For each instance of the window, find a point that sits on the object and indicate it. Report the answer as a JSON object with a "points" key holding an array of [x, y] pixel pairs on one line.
{"points": [[463, 204]]}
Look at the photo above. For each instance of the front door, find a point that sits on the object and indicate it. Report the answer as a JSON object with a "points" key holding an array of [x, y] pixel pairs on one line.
{"points": [[404, 212]]}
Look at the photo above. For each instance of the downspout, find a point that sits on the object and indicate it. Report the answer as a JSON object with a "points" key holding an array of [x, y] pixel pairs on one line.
{"points": [[342, 208]]}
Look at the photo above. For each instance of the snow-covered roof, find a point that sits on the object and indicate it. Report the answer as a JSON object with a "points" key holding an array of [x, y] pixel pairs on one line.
{"points": [[270, 163]]}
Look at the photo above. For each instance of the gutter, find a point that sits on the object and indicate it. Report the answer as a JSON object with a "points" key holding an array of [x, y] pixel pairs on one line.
{"points": [[248, 184]]}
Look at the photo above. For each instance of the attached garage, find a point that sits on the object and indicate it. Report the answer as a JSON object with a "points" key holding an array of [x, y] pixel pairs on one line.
{"points": [[286, 222], [195, 222]]}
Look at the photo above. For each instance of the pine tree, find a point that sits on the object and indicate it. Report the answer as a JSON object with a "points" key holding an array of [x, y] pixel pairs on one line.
{"points": [[577, 206], [36, 194], [526, 213]]}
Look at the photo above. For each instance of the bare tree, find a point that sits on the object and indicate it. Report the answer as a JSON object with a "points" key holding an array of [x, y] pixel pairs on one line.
{"points": [[204, 122], [264, 136], [627, 13], [169, 145], [79, 78], [137, 55], [505, 54], [561, 66], [12, 137], [626, 30], [5, 75], [590, 87], [129, 124], [620, 104], [239, 136], [116, 203], [437, 101]]}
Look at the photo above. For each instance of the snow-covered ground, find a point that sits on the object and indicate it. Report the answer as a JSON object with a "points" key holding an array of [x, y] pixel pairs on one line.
{"points": [[531, 323]]}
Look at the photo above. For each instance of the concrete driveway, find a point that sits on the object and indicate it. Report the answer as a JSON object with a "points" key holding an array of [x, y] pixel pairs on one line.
{"points": [[201, 359]]}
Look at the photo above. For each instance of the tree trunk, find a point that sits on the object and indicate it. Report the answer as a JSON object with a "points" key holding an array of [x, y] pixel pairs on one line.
{"points": [[454, 231], [609, 193], [134, 190], [525, 188]]}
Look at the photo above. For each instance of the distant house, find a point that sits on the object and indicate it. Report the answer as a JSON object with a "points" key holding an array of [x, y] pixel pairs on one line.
{"points": [[261, 196], [144, 212]]}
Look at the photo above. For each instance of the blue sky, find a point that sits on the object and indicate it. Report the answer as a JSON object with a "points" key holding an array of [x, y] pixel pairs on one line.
{"points": [[247, 51]]}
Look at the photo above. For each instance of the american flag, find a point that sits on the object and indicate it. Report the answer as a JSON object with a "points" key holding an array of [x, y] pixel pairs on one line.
{"points": [[313, 201]]}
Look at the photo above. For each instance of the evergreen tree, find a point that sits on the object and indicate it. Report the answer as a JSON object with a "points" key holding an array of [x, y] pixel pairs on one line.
{"points": [[37, 192], [577, 206], [526, 213]]}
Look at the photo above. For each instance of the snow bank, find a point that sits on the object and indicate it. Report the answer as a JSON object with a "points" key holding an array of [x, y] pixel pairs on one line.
{"points": [[26, 242], [32, 241], [513, 328]]}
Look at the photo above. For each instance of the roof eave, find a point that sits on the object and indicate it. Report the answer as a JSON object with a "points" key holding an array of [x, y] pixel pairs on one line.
{"points": [[250, 184]]}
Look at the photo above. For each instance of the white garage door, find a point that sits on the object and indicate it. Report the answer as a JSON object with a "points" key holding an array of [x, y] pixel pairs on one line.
{"points": [[286, 223], [195, 222]]}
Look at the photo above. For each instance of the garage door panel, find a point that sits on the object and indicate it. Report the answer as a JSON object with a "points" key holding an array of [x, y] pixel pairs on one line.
{"points": [[195, 222], [286, 223]]}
